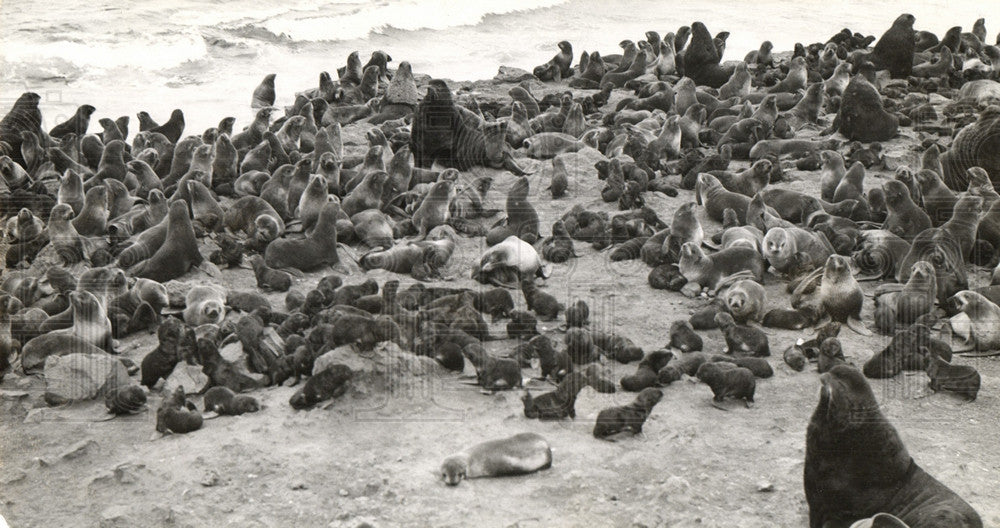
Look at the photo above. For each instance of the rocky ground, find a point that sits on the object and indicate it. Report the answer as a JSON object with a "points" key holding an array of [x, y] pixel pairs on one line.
{"points": [[372, 456]]}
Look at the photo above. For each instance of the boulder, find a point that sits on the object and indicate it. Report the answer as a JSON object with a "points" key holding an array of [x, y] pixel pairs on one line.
{"points": [[77, 377]]}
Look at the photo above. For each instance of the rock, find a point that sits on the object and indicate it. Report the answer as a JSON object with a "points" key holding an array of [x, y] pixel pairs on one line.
{"points": [[16, 476], [13, 395], [233, 352], [510, 74], [211, 478], [79, 449], [765, 486], [77, 377], [115, 516], [385, 361], [188, 376]]}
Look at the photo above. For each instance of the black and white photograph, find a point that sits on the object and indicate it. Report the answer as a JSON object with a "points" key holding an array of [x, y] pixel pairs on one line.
{"points": [[518, 264]]}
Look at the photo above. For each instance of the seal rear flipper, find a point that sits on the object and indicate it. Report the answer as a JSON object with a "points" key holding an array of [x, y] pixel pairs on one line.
{"points": [[858, 326]]}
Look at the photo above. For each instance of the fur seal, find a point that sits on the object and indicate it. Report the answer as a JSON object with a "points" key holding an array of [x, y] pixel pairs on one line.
{"points": [[717, 199], [330, 383], [782, 246], [845, 479], [742, 340], [861, 116], [434, 210], [977, 322], [745, 300], [963, 380], [317, 249], [631, 417], [894, 51], [263, 94], [127, 399], [177, 415], [557, 404], [179, 251], [225, 402], [708, 270], [684, 338], [517, 455], [77, 124], [204, 305], [727, 380], [702, 57], [976, 145], [905, 219]]}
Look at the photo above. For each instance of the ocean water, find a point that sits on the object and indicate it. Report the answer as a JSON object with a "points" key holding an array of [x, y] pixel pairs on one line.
{"points": [[206, 56]]}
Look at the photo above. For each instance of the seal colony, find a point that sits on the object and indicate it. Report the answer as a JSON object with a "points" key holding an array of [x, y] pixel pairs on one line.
{"points": [[698, 169]]}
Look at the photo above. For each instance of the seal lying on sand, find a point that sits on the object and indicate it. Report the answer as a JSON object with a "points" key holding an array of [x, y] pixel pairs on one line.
{"points": [[518, 455]]}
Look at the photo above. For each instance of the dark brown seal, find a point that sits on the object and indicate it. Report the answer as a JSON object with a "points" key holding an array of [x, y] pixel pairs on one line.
{"points": [[857, 466], [631, 417], [177, 415]]}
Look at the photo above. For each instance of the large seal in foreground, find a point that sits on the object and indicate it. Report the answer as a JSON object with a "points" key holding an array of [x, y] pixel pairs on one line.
{"points": [[856, 465], [518, 455]]}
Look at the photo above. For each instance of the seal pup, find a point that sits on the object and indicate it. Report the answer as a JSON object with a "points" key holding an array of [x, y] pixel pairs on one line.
{"points": [[631, 417], [177, 415], [963, 380], [204, 305], [728, 380], [857, 466], [742, 340], [225, 402], [517, 455], [557, 404], [684, 338]]}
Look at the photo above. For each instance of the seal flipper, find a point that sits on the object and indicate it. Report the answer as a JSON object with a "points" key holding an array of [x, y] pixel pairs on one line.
{"points": [[858, 326]]}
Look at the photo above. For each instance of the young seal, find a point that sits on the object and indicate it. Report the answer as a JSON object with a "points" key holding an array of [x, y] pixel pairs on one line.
{"points": [[708, 270], [517, 455], [545, 305], [225, 402], [963, 380], [976, 323], [857, 466], [840, 295], [434, 210], [332, 382], [557, 404], [631, 417], [177, 415], [783, 246], [204, 305], [270, 279], [745, 300], [127, 399], [742, 340], [728, 380], [684, 338]]}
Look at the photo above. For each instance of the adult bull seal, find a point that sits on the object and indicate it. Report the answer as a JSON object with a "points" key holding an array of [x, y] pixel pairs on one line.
{"points": [[856, 465]]}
